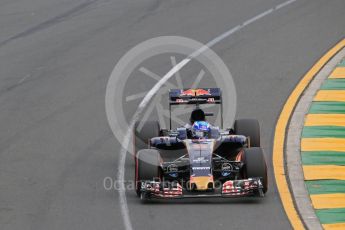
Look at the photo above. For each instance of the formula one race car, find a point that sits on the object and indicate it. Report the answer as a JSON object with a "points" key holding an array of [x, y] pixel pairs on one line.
{"points": [[199, 160]]}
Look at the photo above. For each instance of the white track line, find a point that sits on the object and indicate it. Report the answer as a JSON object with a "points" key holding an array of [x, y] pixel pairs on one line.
{"points": [[153, 91]]}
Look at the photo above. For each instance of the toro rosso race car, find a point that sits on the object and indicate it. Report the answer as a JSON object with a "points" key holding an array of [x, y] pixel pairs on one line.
{"points": [[199, 160]]}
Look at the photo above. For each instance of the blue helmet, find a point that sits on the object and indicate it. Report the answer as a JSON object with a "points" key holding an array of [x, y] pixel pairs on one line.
{"points": [[200, 129]]}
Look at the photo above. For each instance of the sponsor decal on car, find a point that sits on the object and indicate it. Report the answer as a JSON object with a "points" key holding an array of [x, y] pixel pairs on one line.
{"points": [[200, 160], [195, 92], [201, 168]]}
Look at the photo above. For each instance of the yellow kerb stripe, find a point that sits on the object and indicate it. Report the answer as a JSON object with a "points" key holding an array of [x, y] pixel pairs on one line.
{"points": [[330, 95], [334, 200], [323, 144], [279, 137], [325, 120], [324, 172], [338, 73], [337, 226]]}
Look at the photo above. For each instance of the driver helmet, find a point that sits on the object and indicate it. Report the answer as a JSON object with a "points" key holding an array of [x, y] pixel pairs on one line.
{"points": [[197, 115], [200, 129]]}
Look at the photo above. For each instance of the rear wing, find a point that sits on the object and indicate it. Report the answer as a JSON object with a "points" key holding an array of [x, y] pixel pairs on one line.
{"points": [[196, 97]]}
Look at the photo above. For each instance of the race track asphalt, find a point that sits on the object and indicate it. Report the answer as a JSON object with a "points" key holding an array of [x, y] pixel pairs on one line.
{"points": [[56, 146]]}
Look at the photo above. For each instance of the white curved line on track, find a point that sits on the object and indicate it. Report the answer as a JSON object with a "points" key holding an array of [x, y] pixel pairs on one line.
{"points": [[121, 163]]}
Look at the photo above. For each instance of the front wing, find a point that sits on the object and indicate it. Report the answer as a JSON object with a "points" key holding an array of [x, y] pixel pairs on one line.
{"points": [[230, 188]]}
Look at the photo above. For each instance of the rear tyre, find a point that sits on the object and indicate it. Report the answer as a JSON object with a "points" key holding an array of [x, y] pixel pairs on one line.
{"points": [[149, 130], [256, 165], [249, 128], [147, 166]]}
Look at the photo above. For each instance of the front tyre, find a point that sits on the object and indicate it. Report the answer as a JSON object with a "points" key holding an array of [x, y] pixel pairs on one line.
{"points": [[255, 165], [146, 166]]}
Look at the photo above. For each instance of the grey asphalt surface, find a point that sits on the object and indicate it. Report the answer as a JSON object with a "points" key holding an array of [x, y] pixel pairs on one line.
{"points": [[56, 146]]}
